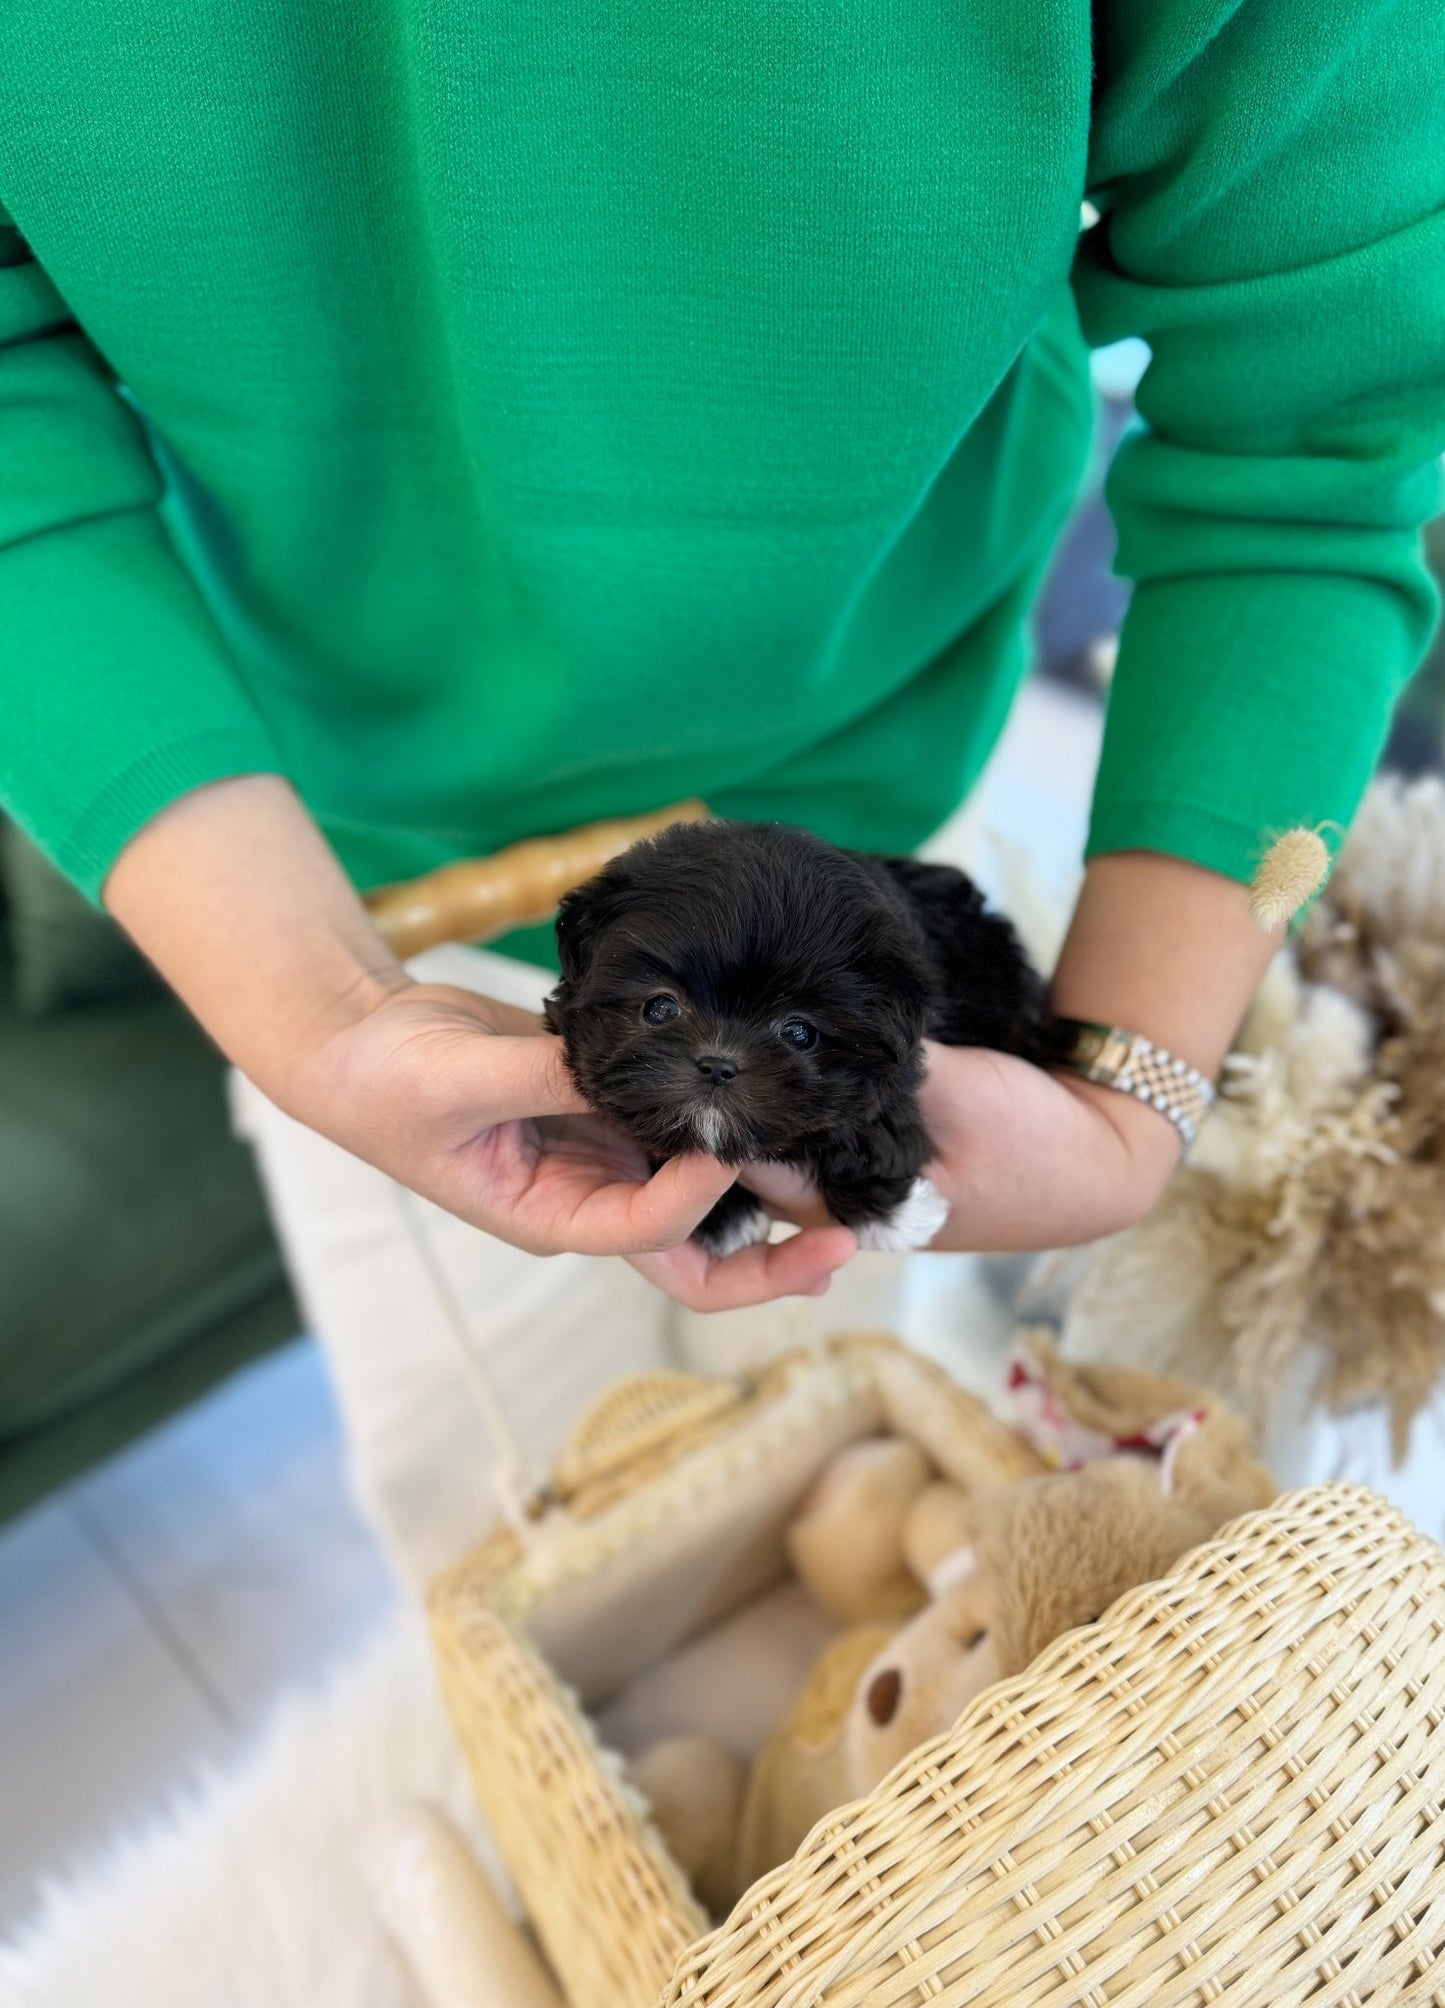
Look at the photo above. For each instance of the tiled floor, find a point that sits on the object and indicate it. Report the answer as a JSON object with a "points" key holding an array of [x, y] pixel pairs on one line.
{"points": [[150, 1614]]}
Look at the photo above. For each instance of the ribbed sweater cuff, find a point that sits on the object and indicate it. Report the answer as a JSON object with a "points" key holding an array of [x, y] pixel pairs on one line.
{"points": [[108, 822], [1180, 829], [1244, 705]]}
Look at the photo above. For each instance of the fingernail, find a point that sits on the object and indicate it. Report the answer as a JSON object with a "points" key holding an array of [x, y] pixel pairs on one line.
{"points": [[821, 1289]]}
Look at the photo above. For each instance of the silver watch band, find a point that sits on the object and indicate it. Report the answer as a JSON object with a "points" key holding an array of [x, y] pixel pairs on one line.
{"points": [[1116, 1058]]}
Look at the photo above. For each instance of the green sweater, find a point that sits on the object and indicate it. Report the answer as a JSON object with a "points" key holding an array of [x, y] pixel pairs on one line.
{"points": [[499, 415]]}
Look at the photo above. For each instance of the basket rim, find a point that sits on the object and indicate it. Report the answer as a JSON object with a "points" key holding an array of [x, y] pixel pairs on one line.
{"points": [[847, 1364]]}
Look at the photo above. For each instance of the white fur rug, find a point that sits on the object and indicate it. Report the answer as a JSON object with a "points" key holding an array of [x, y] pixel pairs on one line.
{"points": [[247, 1893]]}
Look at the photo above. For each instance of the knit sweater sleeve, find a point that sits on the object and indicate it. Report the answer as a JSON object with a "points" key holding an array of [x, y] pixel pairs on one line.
{"points": [[99, 620], [1273, 224]]}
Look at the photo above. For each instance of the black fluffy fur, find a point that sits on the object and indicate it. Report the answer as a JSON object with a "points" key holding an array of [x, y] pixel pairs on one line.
{"points": [[750, 926]]}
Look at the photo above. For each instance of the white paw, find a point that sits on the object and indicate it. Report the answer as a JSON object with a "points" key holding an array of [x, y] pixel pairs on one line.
{"points": [[913, 1224], [744, 1230]]}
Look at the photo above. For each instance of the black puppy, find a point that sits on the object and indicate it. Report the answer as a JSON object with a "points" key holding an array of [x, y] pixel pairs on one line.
{"points": [[749, 990]]}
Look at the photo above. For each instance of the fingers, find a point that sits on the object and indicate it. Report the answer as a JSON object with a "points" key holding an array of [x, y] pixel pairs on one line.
{"points": [[632, 1219], [527, 1076], [787, 1194], [802, 1266]]}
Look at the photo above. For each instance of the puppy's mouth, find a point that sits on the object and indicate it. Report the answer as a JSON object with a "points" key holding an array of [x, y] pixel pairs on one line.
{"points": [[667, 1104], [713, 1127], [712, 1122], [673, 1120]]}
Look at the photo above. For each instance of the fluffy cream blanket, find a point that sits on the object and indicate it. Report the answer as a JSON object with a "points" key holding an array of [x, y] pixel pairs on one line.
{"points": [[248, 1892]]}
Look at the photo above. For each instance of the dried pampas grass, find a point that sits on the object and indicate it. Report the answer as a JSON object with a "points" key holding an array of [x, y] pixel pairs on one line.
{"points": [[1312, 1212]]}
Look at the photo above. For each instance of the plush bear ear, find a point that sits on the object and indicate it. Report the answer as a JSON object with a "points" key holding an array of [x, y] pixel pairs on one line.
{"points": [[1209, 1468]]}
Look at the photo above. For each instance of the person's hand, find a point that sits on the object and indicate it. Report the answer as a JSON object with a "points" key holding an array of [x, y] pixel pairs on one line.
{"points": [[233, 893], [468, 1102], [1031, 1160], [1026, 1159]]}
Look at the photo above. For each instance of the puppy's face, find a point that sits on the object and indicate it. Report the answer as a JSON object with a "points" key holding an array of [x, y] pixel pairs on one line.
{"points": [[738, 988]]}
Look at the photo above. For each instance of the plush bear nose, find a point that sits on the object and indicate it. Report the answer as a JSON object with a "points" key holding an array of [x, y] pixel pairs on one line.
{"points": [[717, 1068], [885, 1691]]}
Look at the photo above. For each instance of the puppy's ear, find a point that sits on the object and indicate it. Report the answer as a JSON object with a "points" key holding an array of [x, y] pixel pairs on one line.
{"points": [[895, 1027], [582, 919]]}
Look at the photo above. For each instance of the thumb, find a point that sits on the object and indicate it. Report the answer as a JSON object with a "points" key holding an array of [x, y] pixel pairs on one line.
{"points": [[623, 1219], [528, 1076], [788, 1194], [680, 1194]]}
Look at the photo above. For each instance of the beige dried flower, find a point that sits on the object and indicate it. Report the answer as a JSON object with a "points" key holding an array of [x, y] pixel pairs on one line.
{"points": [[1312, 1213], [1292, 870]]}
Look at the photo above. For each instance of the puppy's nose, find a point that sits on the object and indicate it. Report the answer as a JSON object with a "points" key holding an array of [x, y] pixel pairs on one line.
{"points": [[717, 1068]]}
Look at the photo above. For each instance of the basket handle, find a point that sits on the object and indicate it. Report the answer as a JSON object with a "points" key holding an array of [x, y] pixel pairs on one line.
{"points": [[520, 1496], [477, 899]]}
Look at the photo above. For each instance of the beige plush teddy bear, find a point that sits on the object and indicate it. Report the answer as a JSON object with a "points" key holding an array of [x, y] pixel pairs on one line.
{"points": [[846, 1542], [1043, 1556], [694, 1789], [1000, 1574]]}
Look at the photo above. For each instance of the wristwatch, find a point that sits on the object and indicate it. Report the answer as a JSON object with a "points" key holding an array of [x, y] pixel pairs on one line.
{"points": [[1135, 1066]]}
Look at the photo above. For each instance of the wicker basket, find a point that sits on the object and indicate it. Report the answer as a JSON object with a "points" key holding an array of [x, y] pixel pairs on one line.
{"points": [[1230, 1789]]}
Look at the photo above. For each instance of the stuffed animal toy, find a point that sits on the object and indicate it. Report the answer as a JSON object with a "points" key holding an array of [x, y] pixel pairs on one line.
{"points": [[1000, 1573], [1010, 1568], [694, 1788], [1045, 1555], [847, 1542], [801, 1773]]}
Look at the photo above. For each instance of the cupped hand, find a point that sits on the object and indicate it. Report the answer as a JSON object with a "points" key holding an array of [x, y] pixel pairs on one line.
{"points": [[1026, 1159], [1029, 1159], [469, 1102]]}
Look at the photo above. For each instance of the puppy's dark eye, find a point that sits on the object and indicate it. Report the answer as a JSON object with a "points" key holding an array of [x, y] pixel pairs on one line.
{"points": [[658, 1010], [799, 1034]]}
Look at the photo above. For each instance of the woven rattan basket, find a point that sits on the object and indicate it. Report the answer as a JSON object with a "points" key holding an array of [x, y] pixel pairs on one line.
{"points": [[1229, 1790]]}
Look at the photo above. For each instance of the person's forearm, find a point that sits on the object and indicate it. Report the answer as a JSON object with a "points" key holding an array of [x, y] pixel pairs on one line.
{"points": [[1166, 948], [1029, 1157], [236, 897]]}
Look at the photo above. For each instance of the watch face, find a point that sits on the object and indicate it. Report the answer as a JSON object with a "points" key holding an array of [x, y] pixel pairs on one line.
{"points": [[1105, 1050]]}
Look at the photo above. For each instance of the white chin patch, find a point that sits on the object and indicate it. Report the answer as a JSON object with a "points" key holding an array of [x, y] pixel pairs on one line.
{"points": [[710, 1127], [911, 1225], [743, 1232]]}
